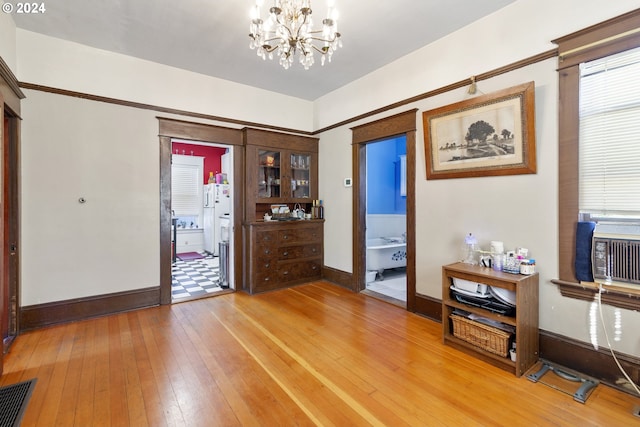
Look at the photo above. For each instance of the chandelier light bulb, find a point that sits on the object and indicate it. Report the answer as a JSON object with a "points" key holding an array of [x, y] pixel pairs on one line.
{"points": [[288, 30]]}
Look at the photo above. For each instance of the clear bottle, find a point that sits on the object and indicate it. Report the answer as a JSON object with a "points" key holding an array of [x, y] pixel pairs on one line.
{"points": [[470, 250]]}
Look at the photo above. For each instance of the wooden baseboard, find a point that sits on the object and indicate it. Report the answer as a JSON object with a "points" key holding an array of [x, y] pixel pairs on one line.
{"points": [[52, 313], [429, 307], [582, 357], [339, 277]]}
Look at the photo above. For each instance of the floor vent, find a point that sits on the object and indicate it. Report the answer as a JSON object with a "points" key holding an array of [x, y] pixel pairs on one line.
{"points": [[13, 402]]}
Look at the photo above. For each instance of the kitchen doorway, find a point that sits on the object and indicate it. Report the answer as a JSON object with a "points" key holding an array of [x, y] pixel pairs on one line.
{"points": [[201, 219], [208, 135]]}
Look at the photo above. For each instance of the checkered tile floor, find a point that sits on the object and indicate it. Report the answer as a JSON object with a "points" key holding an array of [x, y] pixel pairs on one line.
{"points": [[195, 278]]}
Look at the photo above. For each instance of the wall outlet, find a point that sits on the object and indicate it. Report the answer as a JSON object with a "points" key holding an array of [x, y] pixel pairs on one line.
{"points": [[347, 182]]}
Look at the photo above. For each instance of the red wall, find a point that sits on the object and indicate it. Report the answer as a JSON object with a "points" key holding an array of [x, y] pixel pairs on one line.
{"points": [[211, 156]]}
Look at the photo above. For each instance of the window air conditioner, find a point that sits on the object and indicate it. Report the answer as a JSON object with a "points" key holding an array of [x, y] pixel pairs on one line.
{"points": [[615, 254]]}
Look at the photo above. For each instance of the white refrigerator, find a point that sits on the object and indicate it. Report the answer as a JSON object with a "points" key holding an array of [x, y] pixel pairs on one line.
{"points": [[217, 205]]}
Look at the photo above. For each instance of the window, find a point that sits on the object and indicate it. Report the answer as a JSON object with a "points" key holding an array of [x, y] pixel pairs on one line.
{"points": [[187, 188], [617, 35], [609, 154]]}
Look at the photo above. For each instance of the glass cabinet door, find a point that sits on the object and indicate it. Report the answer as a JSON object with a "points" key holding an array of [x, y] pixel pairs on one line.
{"points": [[268, 174], [300, 176]]}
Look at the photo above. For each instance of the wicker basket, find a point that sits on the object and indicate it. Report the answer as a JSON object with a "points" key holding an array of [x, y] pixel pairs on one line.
{"points": [[486, 337]]}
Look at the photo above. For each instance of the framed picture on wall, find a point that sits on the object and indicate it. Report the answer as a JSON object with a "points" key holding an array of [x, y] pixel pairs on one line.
{"points": [[488, 135]]}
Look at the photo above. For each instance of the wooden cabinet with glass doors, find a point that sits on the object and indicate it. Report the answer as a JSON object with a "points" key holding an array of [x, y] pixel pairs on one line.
{"points": [[280, 169]]}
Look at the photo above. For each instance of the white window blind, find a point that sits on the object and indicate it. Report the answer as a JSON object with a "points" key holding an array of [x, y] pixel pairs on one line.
{"points": [[610, 135], [186, 185]]}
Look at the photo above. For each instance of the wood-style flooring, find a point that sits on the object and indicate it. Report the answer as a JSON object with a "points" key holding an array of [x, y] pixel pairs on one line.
{"points": [[315, 354]]}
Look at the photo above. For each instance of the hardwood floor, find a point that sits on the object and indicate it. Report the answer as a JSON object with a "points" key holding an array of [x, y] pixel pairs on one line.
{"points": [[315, 354]]}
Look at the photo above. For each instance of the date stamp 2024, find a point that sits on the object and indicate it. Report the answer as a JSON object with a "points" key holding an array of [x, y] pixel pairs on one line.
{"points": [[24, 8]]}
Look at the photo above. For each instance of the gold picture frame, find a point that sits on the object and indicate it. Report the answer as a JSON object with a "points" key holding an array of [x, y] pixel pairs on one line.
{"points": [[489, 135]]}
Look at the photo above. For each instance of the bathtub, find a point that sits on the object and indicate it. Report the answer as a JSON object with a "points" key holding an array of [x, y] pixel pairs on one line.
{"points": [[386, 252]]}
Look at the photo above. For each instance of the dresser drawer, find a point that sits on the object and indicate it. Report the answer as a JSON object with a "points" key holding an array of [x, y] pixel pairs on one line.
{"points": [[266, 237], [266, 252], [300, 235], [298, 251], [294, 271]]}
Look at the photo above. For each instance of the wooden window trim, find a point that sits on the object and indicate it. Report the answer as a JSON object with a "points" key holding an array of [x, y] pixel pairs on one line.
{"points": [[607, 38]]}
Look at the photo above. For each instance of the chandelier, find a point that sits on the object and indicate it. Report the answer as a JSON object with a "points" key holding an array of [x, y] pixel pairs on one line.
{"points": [[289, 29]]}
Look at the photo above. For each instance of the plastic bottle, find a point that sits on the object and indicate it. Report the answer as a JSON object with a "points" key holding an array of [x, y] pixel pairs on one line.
{"points": [[469, 250], [212, 179]]}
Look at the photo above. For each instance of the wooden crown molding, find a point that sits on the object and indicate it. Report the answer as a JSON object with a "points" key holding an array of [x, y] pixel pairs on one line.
{"points": [[10, 78]]}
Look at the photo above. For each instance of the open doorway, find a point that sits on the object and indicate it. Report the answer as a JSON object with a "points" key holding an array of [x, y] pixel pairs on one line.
{"points": [[386, 219], [401, 125], [202, 195]]}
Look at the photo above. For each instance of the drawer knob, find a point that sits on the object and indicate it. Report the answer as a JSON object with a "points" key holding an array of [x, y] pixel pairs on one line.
{"points": [[285, 273], [267, 265], [315, 267], [286, 254], [266, 279], [267, 251], [285, 237]]}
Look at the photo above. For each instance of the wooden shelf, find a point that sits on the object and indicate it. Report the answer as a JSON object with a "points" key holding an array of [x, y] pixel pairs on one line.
{"points": [[525, 319]]}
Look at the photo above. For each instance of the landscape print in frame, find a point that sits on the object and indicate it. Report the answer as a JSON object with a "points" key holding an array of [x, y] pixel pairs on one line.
{"points": [[488, 135]]}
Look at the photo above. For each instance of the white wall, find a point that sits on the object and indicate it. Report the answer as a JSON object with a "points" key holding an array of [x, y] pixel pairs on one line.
{"points": [[108, 155], [520, 210], [62, 64], [8, 40]]}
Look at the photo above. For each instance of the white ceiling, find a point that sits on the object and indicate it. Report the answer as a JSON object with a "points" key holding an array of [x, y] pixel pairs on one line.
{"points": [[211, 36]]}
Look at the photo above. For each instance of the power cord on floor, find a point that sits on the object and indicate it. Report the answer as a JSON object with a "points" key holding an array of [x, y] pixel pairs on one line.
{"points": [[606, 335]]}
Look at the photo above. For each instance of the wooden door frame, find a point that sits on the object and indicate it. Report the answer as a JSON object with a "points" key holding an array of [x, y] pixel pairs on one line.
{"points": [[176, 129], [11, 223], [397, 125], [10, 96]]}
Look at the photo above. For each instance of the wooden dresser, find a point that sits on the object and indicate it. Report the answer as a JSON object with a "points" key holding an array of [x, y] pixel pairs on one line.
{"points": [[283, 253]]}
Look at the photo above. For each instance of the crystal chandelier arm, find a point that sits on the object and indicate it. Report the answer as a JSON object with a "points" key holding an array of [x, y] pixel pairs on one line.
{"points": [[320, 39]]}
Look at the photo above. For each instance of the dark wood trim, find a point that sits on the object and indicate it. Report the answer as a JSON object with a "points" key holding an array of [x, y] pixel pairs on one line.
{"points": [[429, 307], [157, 108], [339, 277], [359, 215], [444, 89], [181, 129], [11, 222], [615, 296], [9, 88], [583, 358], [605, 38], [165, 220], [386, 127], [399, 124], [568, 171], [411, 218], [53, 313]]}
